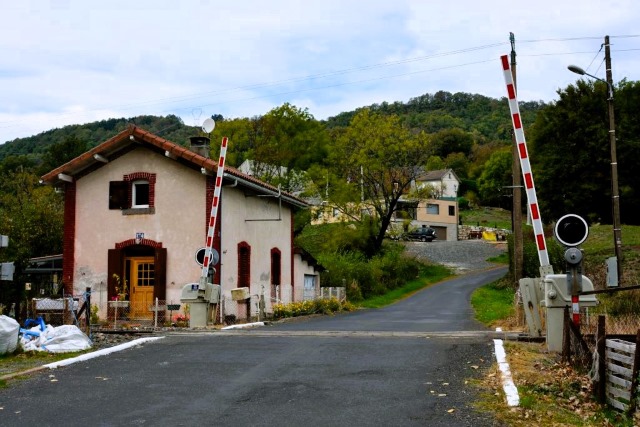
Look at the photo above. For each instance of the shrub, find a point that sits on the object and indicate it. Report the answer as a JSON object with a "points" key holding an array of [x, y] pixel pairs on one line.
{"points": [[363, 277], [463, 203], [305, 308]]}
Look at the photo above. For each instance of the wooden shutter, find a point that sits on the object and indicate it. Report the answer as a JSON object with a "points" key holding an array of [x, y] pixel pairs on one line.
{"points": [[114, 266], [244, 265], [160, 289], [118, 195]]}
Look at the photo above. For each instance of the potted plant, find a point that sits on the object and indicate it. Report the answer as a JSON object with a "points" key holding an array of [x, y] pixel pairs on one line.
{"points": [[122, 289]]}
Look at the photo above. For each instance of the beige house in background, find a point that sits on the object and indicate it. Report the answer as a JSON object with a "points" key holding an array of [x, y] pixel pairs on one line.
{"points": [[137, 208], [440, 212]]}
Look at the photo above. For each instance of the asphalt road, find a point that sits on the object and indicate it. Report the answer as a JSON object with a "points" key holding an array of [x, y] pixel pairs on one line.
{"points": [[443, 307], [405, 365]]}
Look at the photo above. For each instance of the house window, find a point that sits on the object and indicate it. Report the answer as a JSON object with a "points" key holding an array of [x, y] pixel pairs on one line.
{"points": [[452, 211], [244, 265], [135, 194], [433, 209], [140, 194]]}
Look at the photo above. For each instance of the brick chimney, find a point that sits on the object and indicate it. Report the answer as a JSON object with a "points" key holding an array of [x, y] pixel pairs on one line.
{"points": [[200, 145]]}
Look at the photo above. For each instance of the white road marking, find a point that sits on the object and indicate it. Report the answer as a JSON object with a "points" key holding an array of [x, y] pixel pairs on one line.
{"points": [[510, 390]]}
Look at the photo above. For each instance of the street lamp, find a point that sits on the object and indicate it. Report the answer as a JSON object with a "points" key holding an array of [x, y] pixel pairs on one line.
{"points": [[615, 196], [582, 72]]}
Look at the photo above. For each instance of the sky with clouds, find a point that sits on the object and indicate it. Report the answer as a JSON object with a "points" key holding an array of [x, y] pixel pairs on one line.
{"points": [[67, 62]]}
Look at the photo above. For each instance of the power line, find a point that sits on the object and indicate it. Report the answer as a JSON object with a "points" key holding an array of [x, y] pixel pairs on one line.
{"points": [[339, 84], [346, 71], [275, 83]]}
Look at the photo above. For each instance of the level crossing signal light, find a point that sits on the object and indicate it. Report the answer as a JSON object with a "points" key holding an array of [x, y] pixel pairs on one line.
{"points": [[572, 230]]}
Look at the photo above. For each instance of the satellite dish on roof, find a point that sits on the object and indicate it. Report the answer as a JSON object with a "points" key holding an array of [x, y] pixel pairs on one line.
{"points": [[208, 125]]}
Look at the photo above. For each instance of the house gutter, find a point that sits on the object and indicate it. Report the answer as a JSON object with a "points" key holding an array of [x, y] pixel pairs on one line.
{"points": [[275, 193]]}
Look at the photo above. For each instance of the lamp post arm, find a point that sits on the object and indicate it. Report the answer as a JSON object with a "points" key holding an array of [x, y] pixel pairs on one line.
{"points": [[609, 85]]}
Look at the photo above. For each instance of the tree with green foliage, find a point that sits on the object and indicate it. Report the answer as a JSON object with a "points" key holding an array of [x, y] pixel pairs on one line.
{"points": [[435, 163], [61, 152], [459, 162], [281, 145], [496, 175], [32, 216], [570, 153], [448, 141], [376, 157]]}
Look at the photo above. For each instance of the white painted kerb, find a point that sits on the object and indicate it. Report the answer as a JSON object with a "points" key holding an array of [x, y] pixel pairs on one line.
{"points": [[99, 353], [510, 390], [243, 326]]}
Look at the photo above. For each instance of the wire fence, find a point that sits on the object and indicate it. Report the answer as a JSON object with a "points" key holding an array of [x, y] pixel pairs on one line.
{"points": [[130, 315]]}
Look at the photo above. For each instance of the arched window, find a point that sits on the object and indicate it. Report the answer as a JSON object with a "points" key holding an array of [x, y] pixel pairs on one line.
{"points": [[244, 265]]}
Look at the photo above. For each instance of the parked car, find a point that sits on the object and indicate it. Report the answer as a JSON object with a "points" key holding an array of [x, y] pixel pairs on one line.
{"points": [[423, 234]]}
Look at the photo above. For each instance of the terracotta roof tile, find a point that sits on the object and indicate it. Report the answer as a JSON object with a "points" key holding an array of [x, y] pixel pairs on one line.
{"points": [[123, 140]]}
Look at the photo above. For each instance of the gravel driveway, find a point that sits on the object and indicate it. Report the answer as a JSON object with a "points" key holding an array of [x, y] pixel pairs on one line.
{"points": [[462, 256]]}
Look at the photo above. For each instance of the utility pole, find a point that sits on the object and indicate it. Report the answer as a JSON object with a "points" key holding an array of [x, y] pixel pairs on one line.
{"points": [[518, 257], [615, 196]]}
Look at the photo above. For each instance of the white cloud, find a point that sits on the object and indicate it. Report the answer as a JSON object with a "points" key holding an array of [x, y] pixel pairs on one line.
{"points": [[75, 61]]}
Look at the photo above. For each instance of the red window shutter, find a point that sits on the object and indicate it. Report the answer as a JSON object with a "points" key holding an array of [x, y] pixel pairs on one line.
{"points": [[244, 265]]}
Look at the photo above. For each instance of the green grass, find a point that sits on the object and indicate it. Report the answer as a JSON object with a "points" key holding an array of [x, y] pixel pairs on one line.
{"points": [[431, 274], [503, 258], [492, 302], [487, 217], [21, 361]]}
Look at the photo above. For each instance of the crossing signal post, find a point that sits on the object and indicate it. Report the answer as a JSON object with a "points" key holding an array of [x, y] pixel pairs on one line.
{"points": [[564, 290], [571, 230]]}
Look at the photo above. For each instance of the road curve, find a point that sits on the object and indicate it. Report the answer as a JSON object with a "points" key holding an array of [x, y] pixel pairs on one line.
{"points": [[443, 307]]}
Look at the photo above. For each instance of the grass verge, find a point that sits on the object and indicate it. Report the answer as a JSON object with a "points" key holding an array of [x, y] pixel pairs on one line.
{"points": [[551, 393], [493, 302], [429, 275], [21, 361]]}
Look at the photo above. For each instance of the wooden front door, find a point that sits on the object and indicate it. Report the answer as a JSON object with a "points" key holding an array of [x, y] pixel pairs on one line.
{"points": [[143, 280]]}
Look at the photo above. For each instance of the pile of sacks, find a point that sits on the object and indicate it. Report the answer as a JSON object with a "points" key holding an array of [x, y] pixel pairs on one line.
{"points": [[40, 337]]}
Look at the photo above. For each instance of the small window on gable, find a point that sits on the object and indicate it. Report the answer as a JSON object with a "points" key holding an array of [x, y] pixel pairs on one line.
{"points": [[135, 195], [140, 194], [452, 211]]}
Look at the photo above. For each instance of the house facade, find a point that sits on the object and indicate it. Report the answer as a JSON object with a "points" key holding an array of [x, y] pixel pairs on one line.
{"points": [[137, 209], [444, 182], [439, 212]]}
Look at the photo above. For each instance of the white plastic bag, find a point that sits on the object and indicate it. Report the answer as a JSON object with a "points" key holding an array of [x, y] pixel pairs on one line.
{"points": [[59, 339], [9, 329]]}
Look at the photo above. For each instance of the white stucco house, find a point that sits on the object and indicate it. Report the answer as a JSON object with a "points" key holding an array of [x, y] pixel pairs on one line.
{"points": [[445, 182], [137, 209]]}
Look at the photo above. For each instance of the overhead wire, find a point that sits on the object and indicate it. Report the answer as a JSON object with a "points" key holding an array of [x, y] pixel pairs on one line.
{"points": [[335, 73]]}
